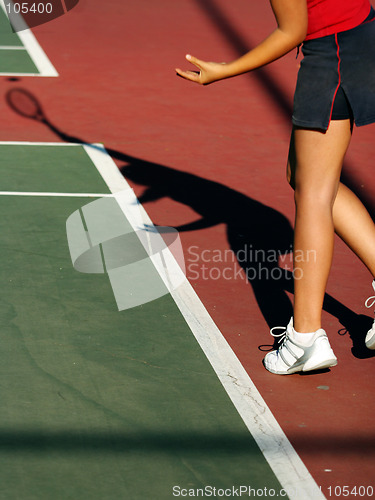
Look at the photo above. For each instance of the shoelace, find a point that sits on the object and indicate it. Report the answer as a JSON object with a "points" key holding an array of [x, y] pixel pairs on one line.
{"points": [[281, 336], [370, 302]]}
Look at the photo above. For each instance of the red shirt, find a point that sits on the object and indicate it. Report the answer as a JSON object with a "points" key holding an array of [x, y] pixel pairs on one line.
{"points": [[327, 17]]}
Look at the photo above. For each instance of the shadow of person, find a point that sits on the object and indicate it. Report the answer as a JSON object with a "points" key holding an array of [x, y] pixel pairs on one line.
{"points": [[257, 234]]}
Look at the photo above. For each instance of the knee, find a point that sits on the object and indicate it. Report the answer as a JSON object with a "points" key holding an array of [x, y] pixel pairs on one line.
{"points": [[320, 197]]}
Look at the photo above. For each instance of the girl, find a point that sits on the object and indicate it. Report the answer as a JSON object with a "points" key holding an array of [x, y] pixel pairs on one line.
{"points": [[335, 88]]}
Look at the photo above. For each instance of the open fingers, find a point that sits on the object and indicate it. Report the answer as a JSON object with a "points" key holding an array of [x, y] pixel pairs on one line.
{"points": [[193, 76]]}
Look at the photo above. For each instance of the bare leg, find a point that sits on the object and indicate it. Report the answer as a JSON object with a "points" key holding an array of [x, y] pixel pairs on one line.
{"points": [[351, 220], [355, 226], [317, 167]]}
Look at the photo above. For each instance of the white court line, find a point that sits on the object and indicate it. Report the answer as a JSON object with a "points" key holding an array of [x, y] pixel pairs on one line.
{"points": [[37, 54], [72, 195], [28, 143], [275, 446], [35, 51], [287, 466], [11, 47]]}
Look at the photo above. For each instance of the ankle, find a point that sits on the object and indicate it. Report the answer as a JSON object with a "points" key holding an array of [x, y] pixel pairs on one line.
{"points": [[305, 326]]}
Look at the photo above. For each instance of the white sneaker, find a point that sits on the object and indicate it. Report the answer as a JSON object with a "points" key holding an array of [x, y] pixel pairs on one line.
{"points": [[292, 356], [370, 337]]}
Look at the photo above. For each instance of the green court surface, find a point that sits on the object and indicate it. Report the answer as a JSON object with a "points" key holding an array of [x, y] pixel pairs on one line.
{"points": [[14, 57], [97, 403], [20, 53], [7, 35], [16, 62]]}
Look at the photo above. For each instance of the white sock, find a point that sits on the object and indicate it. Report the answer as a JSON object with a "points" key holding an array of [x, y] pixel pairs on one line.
{"points": [[303, 338]]}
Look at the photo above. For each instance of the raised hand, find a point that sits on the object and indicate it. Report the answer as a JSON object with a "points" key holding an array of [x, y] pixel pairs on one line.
{"points": [[209, 72]]}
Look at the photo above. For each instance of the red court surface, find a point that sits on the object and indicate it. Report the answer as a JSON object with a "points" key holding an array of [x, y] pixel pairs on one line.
{"points": [[210, 161]]}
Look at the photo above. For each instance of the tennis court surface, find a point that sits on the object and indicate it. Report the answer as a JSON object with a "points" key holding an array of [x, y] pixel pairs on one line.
{"points": [[96, 402], [168, 398]]}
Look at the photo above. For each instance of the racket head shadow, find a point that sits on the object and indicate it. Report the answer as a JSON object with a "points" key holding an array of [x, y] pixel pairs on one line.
{"points": [[25, 104]]}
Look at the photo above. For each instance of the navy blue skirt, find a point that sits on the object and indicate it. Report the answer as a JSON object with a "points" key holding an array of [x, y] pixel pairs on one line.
{"points": [[342, 67]]}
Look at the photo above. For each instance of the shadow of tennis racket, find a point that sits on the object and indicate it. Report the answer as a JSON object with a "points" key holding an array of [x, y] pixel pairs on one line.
{"points": [[24, 103]]}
